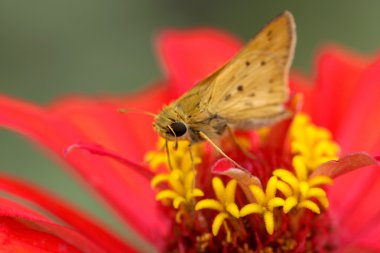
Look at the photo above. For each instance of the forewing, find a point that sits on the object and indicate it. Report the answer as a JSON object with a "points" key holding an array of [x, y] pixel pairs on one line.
{"points": [[253, 85], [193, 103]]}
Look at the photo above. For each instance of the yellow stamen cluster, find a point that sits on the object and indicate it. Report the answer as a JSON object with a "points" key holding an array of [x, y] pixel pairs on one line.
{"points": [[224, 204], [311, 146], [314, 144], [287, 190], [180, 190]]}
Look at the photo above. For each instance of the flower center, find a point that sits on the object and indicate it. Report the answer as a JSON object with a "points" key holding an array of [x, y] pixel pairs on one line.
{"points": [[278, 206]]}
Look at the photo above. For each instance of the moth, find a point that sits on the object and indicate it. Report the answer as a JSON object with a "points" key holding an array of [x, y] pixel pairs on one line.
{"points": [[248, 92]]}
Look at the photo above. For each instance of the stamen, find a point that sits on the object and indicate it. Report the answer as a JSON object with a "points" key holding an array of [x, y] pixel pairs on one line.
{"points": [[290, 202], [217, 223], [209, 204], [251, 208], [269, 222], [287, 177], [310, 205], [319, 180]]}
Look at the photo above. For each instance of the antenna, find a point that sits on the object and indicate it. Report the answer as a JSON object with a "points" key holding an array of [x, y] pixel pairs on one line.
{"points": [[126, 110]]}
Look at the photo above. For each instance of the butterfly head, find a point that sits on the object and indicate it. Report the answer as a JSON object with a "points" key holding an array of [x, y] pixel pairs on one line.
{"points": [[169, 125]]}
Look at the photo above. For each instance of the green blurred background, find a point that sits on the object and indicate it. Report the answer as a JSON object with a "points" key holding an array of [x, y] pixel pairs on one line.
{"points": [[49, 48]]}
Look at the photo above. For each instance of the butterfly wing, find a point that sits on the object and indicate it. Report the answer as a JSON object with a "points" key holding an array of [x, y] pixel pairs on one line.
{"points": [[251, 89]]}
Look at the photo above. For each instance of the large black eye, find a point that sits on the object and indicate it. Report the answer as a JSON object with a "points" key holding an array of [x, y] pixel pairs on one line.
{"points": [[179, 128]]}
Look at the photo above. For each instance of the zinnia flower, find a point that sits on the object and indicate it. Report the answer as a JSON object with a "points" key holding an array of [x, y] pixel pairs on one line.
{"points": [[290, 198]]}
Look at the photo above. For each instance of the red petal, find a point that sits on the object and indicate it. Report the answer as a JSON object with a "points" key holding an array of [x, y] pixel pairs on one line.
{"points": [[352, 195], [338, 72], [346, 164], [189, 56], [101, 122], [127, 192], [344, 91], [355, 194], [99, 150], [369, 234], [360, 129], [22, 230], [357, 205], [356, 249], [227, 168], [66, 213]]}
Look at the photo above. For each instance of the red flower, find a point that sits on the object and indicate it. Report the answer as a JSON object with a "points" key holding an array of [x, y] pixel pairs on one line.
{"points": [[344, 99]]}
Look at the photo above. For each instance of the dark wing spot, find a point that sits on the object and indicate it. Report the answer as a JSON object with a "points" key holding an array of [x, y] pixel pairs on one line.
{"points": [[263, 63], [247, 63], [209, 99], [252, 94], [271, 80], [228, 96], [240, 88], [269, 34]]}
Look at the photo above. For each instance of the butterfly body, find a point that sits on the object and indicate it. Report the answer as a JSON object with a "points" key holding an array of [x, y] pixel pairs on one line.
{"points": [[248, 92]]}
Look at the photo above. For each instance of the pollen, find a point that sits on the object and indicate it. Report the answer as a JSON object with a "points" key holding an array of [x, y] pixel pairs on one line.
{"points": [[224, 203]]}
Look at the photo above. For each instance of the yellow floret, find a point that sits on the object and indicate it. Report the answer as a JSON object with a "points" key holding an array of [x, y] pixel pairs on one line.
{"points": [[177, 184], [299, 189], [180, 189], [224, 204], [266, 203]]}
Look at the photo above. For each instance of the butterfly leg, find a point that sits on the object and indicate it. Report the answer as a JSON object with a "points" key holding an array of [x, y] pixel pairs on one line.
{"points": [[204, 136], [168, 155], [192, 163]]}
